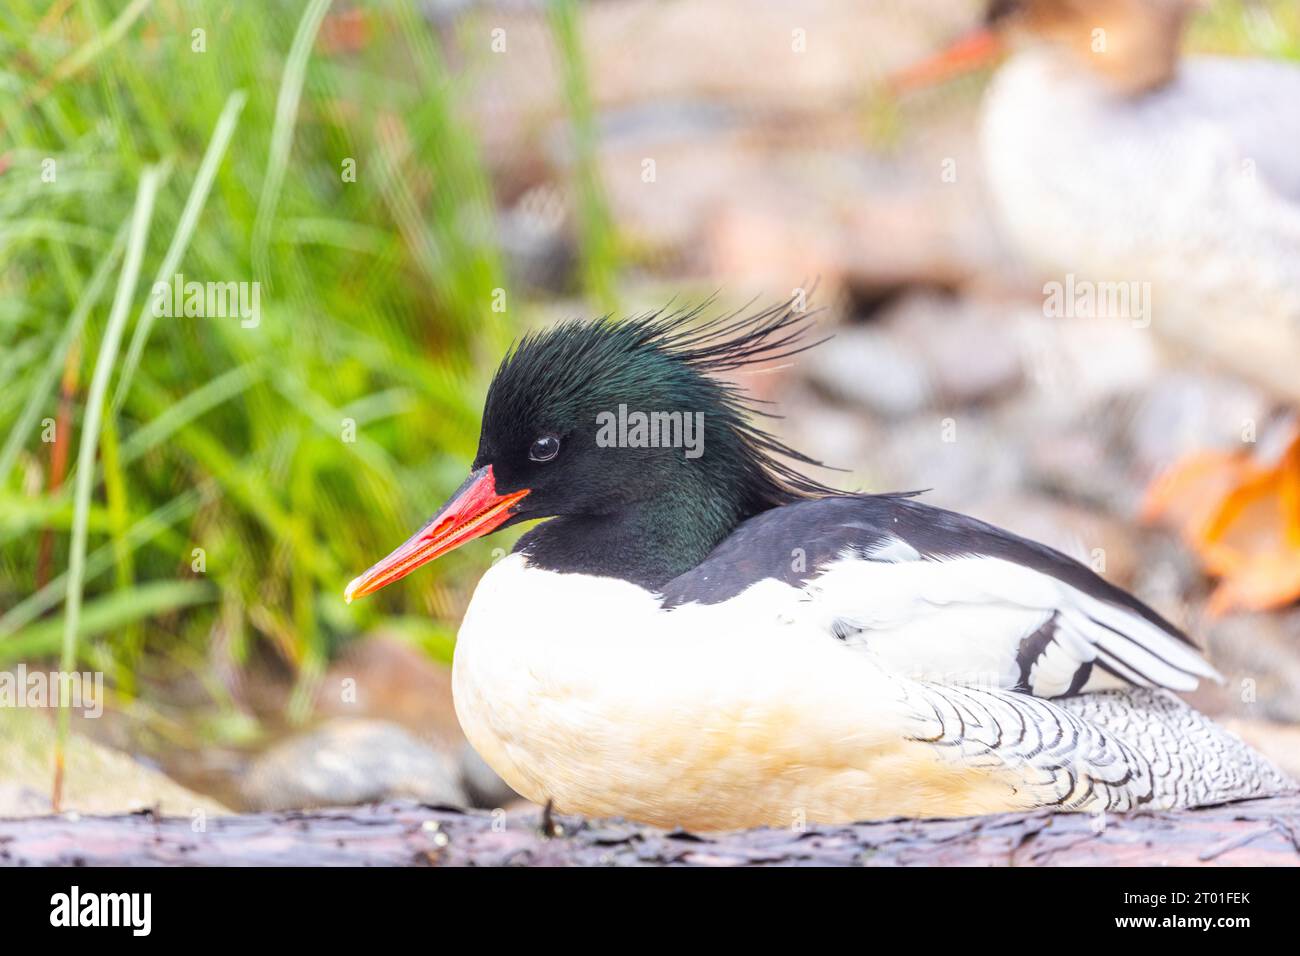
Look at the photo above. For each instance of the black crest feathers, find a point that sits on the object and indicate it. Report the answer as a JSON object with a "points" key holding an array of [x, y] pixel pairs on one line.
{"points": [[556, 374]]}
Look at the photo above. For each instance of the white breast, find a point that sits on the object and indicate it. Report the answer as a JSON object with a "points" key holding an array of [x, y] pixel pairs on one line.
{"points": [[582, 691]]}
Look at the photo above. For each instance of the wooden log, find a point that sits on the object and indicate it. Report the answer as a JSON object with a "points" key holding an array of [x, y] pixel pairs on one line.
{"points": [[1257, 832]]}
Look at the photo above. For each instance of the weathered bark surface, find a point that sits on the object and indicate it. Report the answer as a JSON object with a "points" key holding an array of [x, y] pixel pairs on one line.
{"points": [[1259, 832]]}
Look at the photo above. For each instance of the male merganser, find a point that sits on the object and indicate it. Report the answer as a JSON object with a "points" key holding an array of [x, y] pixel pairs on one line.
{"points": [[1111, 158], [704, 637]]}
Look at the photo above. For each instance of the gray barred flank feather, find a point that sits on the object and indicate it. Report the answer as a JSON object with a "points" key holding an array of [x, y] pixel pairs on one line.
{"points": [[1108, 750], [1193, 760]]}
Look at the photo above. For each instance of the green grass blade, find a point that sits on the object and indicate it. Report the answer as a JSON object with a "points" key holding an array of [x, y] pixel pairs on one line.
{"points": [[104, 362], [194, 204], [98, 561], [101, 41], [286, 117], [179, 414], [40, 391], [595, 224], [107, 615]]}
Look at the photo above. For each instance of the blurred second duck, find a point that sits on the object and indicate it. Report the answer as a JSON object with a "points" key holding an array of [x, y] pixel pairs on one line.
{"points": [[1174, 180]]}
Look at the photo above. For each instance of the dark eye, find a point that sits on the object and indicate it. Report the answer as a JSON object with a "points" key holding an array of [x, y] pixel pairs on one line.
{"points": [[545, 448]]}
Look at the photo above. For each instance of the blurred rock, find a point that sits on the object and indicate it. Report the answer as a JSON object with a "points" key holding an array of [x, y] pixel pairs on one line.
{"points": [[385, 677], [1079, 463], [536, 241], [1074, 364], [1259, 656], [1168, 578], [20, 800], [969, 350], [842, 438], [644, 52], [771, 212], [98, 779], [961, 457], [870, 368], [397, 683], [351, 761], [484, 787], [751, 245], [755, 142], [1184, 411], [926, 351]]}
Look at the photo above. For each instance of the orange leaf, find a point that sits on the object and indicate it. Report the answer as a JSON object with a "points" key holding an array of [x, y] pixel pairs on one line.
{"points": [[1242, 519]]}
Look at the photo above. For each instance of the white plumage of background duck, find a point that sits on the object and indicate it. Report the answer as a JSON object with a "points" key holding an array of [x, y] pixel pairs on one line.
{"points": [[714, 640]]}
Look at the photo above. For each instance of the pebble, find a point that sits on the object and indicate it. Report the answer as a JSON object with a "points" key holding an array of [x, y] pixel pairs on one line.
{"points": [[350, 761]]}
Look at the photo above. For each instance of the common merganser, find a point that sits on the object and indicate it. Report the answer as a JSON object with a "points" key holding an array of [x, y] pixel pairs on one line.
{"points": [[702, 636], [1112, 159]]}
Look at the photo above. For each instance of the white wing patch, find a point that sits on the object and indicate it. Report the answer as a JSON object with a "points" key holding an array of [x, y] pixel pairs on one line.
{"points": [[893, 550], [987, 622]]}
